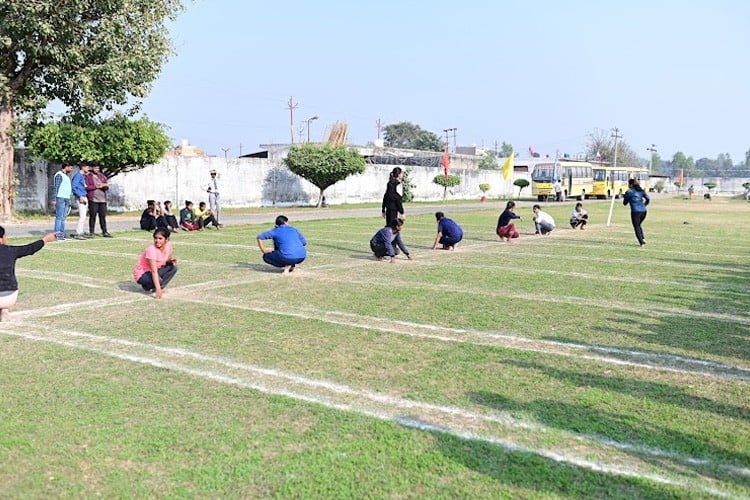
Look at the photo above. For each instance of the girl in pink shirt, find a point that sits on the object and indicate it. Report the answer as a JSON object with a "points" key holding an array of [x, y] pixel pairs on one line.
{"points": [[156, 266]]}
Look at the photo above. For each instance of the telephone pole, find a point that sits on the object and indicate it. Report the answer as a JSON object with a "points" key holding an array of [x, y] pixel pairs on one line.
{"points": [[447, 137], [616, 135], [379, 126], [292, 106], [651, 150]]}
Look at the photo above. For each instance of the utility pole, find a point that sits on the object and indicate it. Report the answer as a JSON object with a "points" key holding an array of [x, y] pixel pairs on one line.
{"points": [[378, 125], [616, 135], [226, 160], [292, 106], [652, 150], [240, 149], [447, 137]]}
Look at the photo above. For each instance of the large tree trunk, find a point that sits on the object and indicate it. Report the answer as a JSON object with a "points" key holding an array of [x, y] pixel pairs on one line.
{"points": [[7, 174]]}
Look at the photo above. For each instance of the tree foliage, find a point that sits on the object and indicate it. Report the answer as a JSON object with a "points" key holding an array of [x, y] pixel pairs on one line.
{"points": [[324, 165], [520, 183], [601, 144], [408, 185], [117, 144], [89, 55], [407, 135], [488, 161], [506, 149], [447, 181]]}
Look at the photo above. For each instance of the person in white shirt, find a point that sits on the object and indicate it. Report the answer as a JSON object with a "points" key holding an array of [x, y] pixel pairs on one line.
{"points": [[214, 198], [579, 216], [543, 221]]}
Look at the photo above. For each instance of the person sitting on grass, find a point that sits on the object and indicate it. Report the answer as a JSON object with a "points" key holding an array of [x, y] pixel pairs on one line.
{"points": [[205, 216], [288, 243], [169, 219], [9, 254], [156, 266], [382, 243], [448, 232], [579, 216], [187, 218], [151, 218]]}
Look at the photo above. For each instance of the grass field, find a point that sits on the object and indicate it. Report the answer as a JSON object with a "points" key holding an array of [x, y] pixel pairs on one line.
{"points": [[573, 365]]}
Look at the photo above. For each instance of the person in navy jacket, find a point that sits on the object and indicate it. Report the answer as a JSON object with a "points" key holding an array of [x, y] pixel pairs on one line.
{"points": [[638, 200]]}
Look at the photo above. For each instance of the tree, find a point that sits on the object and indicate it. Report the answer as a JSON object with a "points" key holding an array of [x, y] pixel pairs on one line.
{"points": [[683, 163], [406, 135], [408, 185], [324, 165], [488, 161], [506, 150], [87, 54], [521, 183], [601, 145], [446, 181], [117, 144]]}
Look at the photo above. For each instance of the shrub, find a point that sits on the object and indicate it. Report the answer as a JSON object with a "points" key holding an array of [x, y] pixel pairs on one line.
{"points": [[484, 187]]}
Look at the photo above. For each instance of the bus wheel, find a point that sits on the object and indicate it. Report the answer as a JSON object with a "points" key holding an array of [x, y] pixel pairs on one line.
{"points": [[541, 198]]}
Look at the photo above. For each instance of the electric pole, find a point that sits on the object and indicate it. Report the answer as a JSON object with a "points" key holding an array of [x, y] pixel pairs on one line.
{"points": [[292, 106], [447, 137], [616, 135], [378, 125], [651, 150]]}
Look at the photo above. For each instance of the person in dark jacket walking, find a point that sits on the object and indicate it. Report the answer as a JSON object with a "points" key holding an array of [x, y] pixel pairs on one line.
{"points": [[393, 207], [8, 257], [638, 200]]}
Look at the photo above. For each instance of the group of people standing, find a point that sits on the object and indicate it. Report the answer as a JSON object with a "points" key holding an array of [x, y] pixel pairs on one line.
{"points": [[89, 187]]}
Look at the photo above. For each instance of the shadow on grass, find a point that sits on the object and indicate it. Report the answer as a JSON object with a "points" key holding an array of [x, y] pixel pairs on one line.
{"points": [[549, 478], [260, 267], [130, 286], [608, 426]]}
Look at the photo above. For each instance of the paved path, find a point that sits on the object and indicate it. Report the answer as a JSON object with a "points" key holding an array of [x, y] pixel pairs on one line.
{"points": [[116, 223]]}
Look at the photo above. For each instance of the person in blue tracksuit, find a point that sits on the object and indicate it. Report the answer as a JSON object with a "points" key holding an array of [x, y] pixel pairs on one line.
{"points": [[382, 243], [288, 245], [448, 232], [638, 200]]}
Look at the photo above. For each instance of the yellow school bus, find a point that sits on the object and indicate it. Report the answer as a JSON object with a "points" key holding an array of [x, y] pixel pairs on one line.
{"points": [[575, 179], [610, 181]]}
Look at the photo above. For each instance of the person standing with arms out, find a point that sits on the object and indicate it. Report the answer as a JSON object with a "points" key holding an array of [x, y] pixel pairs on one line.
{"points": [[8, 257], [61, 191], [579, 216], [97, 187], [448, 232], [393, 207], [156, 266], [638, 200], [288, 243], [79, 191], [214, 199], [505, 229]]}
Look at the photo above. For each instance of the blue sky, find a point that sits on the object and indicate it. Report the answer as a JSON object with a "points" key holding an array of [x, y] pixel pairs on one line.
{"points": [[541, 74]]}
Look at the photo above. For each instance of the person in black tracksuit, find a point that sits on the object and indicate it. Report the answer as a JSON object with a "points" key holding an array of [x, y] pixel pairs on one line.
{"points": [[393, 207]]}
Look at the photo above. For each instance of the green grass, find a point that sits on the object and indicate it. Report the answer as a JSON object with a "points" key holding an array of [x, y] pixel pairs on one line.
{"points": [[573, 365]]}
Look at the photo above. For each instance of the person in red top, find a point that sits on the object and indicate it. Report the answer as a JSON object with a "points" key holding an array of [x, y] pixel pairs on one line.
{"points": [[156, 266], [96, 192]]}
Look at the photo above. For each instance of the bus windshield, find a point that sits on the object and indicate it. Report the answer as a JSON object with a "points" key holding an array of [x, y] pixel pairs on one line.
{"points": [[600, 175], [543, 173]]}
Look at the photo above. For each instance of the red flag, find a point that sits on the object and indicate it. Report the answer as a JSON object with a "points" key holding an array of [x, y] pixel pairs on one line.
{"points": [[444, 162]]}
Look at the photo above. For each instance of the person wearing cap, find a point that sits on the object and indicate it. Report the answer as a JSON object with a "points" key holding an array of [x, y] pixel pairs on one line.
{"points": [[288, 243], [214, 198], [61, 191], [79, 191], [8, 257]]}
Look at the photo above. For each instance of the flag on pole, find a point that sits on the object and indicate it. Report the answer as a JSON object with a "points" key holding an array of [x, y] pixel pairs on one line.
{"points": [[444, 162], [508, 166]]}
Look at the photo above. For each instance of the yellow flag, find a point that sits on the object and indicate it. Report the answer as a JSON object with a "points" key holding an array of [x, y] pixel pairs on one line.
{"points": [[508, 166]]}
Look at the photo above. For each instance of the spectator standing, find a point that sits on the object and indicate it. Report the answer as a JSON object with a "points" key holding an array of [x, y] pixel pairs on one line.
{"points": [[8, 257], [78, 185], [288, 243], [558, 190], [61, 191], [214, 197], [96, 189], [448, 232], [543, 222]]}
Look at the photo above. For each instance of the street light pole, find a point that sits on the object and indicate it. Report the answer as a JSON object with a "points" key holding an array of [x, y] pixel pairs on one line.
{"points": [[652, 150], [308, 126], [616, 135]]}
